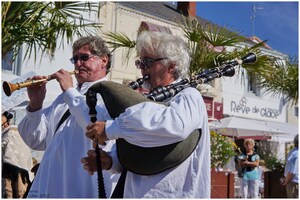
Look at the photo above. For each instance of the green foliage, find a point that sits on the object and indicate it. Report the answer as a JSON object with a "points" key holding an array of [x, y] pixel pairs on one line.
{"points": [[267, 151], [41, 25], [222, 149], [208, 44], [273, 164], [120, 40], [283, 81]]}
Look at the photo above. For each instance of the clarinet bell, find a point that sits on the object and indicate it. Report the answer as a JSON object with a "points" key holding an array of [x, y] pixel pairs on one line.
{"points": [[250, 58]]}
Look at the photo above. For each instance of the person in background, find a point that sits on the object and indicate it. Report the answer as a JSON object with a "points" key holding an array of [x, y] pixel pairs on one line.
{"points": [[166, 59], [59, 129], [16, 160], [249, 161], [291, 172], [34, 170]]}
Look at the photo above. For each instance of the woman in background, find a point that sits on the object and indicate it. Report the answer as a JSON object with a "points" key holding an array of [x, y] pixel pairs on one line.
{"points": [[249, 162]]}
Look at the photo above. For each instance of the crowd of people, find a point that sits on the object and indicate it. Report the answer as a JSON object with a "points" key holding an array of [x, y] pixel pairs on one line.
{"points": [[67, 136]]}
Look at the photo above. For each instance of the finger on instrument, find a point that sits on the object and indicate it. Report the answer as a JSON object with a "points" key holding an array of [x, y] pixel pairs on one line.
{"points": [[91, 153], [90, 134]]}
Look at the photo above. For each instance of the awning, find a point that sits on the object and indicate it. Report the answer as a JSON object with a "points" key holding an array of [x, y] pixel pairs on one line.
{"points": [[242, 128], [17, 97], [20, 97]]}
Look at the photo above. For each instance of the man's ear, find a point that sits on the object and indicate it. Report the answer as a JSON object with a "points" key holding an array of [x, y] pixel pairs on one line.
{"points": [[104, 60], [171, 69]]}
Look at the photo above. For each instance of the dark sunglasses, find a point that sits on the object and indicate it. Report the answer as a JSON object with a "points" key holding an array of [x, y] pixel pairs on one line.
{"points": [[146, 63], [82, 57]]}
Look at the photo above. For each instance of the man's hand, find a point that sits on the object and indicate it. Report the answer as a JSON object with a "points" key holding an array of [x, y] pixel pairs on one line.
{"points": [[287, 179], [89, 163], [96, 132], [64, 78], [36, 94]]}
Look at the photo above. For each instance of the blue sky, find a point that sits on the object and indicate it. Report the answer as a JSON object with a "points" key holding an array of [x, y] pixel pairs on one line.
{"points": [[277, 22]]}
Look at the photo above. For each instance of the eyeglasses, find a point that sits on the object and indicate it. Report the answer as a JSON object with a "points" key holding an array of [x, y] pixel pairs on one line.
{"points": [[82, 57], [146, 63]]}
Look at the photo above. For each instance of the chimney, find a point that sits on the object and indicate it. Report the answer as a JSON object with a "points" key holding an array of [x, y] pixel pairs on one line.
{"points": [[187, 8]]}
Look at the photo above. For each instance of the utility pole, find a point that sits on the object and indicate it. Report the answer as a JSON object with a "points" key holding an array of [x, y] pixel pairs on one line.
{"points": [[253, 16]]}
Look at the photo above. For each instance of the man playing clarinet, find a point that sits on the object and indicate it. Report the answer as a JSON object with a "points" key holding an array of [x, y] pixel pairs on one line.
{"points": [[59, 129]]}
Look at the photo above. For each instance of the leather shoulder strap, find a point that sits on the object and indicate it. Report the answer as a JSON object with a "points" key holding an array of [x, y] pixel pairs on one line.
{"points": [[63, 118]]}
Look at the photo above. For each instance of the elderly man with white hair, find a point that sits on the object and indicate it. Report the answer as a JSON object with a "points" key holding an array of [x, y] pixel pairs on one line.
{"points": [[165, 58]]}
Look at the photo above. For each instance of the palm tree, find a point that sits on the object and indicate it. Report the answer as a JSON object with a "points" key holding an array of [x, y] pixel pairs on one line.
{"points": [[41, 25], [209, 48], [283, 81]]}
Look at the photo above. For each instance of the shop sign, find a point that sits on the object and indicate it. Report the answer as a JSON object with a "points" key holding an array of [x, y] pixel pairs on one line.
{"points": [[253, 108]]}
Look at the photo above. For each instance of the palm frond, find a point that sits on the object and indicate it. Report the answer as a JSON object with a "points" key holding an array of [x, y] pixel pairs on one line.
{"points": [[120, 40], [220, 36], [282, 82], [191, 28], [39, 25]]}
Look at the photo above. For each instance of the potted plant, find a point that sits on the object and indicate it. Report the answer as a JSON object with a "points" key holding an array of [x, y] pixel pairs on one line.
{"points": [[222, 150], [272, 185], [268, 151]]}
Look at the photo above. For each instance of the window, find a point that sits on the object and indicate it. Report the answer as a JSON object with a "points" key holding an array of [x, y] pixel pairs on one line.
{"points": [[7, 62], [253, 86], [296, 111], [10, 66]]}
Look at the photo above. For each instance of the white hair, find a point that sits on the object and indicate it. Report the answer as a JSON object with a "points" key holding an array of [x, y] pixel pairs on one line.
{"points": [[163, 45], [249, 141]]}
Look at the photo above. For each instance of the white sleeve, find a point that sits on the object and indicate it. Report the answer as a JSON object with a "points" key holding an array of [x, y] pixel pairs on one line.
{"points": [[34, 129], [116, 165], [151, 124], [79, 108]]}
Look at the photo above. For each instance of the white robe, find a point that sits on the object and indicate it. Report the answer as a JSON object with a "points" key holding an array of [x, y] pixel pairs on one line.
{"points": [[61, 174], [149, 124]]}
